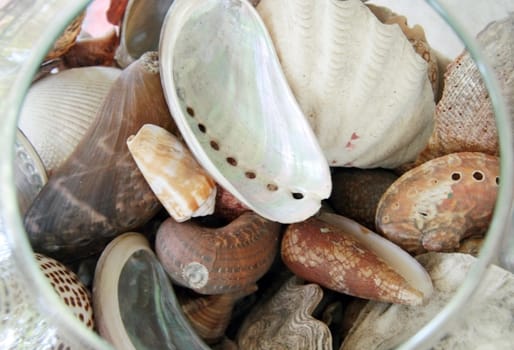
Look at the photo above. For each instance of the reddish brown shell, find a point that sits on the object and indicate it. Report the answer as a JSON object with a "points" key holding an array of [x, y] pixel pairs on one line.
{"points": [[218, 260], [325, 254], [437, 204]]}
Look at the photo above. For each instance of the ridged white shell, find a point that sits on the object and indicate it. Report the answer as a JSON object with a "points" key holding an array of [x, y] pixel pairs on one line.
{"points": [[361, 84], [181, 185], [59, 109], [228, 95]]}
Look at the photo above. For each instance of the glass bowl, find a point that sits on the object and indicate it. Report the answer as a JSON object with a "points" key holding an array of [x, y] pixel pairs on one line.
{"points": [[31, 314]]}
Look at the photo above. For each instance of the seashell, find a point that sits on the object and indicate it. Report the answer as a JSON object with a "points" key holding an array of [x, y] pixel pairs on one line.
{"points": [[116, 10], [67, 39], [488, 315], [29, 172], [254, 141], [182, 186], [131, 289], [59, 109], [69, 288], [217, 260], [416, 36], [471, 245], [362, 68], [356, 192], [93, 51], [464, 119], [210, 315], [227, 206], [98, 192], [140, 29], [342, 255], [285, 321], [437, 204]]}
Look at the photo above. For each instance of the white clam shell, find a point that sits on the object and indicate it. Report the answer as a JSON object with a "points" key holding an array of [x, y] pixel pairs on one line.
{"points": [[360, 83], [59, 109], [182, 186], [229, 98]]}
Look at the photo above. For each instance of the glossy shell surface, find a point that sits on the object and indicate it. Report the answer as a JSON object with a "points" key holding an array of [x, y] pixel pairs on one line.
{"points": [[131, 289], [248, 133], [364, 89], [442, 201], [342, 255], [181, 184]]}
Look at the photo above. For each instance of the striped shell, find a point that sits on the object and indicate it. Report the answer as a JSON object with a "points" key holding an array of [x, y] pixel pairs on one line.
{"points": [[218, 260]]}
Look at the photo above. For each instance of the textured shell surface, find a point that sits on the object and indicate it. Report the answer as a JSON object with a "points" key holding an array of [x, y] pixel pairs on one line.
{"points": [[66, 283], [98, 192], [437, 204], [218, 260], [59, 109], [248, 133], [464, 119], [29, 172], [488, 320], [364, 89], [140, 29], [131, 289], [285, 321], [181, 184], [342, 255]]}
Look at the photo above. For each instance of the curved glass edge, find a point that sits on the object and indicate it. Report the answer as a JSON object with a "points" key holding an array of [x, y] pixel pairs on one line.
{"points": [[432, 332], [27, 31]]}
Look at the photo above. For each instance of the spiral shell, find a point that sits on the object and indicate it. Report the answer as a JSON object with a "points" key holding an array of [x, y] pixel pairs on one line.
{"points": [[218, 260]]}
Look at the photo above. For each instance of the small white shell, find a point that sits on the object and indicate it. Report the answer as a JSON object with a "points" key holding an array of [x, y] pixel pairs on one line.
{"points": [[229, 98], [361, 84], [59, 109], [178, 181]]}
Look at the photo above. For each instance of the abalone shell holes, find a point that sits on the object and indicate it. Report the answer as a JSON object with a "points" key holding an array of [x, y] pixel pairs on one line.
{"points": [[232, 160], [477, 176]]}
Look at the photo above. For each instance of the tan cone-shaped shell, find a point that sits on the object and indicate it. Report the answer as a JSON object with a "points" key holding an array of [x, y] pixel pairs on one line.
{"points": [[181, 184]]}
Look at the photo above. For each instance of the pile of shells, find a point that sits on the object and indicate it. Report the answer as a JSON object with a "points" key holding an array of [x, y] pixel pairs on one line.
{"points": [[216, 185]]}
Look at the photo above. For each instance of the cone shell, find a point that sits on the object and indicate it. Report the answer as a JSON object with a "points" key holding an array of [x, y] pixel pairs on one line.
{"points": [[364, 89], [131, 289], [67, 39], [344, 256], [69, 288], [218, 260], [182, 186], [464, 116], [59, 109], [248, 133], [98, 192], [437, 204], [285, 321]]}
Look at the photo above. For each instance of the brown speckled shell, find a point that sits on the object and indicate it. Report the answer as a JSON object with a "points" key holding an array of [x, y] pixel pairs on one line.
{"points": [[71, 290], [435, 205], [67, 38], [356, 192], [285, 321], [218, 260], [322, 253]]}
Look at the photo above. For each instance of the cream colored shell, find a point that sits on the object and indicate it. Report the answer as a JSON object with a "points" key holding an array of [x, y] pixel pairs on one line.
{"points": [[362, 86], [178, 181]]}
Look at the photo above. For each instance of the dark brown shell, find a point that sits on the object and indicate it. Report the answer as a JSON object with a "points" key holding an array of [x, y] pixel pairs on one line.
{"points": [[325, 254], [218, 260], [99, 193], [437, 204], [356, 192]]}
